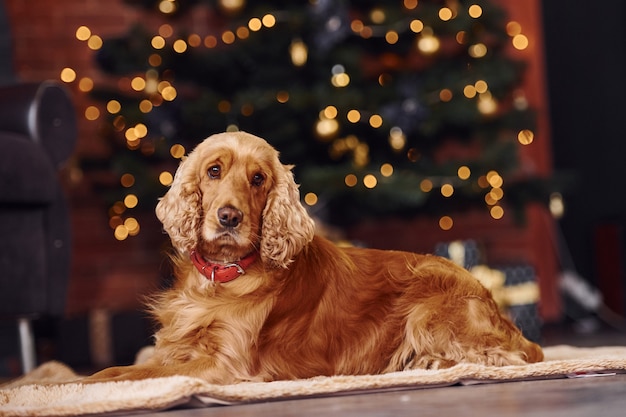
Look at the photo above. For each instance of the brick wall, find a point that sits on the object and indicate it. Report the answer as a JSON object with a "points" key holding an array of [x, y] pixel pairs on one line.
{"points": [[111, 274]]}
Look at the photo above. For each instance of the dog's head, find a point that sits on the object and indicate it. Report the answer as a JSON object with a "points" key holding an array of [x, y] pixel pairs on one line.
{"points": [[232, 196]]}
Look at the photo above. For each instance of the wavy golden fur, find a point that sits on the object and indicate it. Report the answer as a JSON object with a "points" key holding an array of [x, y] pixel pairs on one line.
{"points": [[304, 307]]}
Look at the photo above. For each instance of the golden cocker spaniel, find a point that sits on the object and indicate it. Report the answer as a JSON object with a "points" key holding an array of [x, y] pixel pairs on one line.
{"points": [[259, 297]]}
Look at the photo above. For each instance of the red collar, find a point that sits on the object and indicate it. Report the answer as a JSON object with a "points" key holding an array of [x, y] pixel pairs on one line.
{"points": [[222, 272]]}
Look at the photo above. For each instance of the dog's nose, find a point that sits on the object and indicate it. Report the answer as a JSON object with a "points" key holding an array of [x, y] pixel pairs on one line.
{"points": [[229, 216]]}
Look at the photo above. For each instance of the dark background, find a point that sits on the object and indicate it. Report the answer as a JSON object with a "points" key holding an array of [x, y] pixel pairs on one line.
{"points": [[586, 62]]}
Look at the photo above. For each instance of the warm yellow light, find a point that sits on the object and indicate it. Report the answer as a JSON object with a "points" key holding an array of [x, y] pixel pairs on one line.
{"points": [[494, 179], [299, 52], [513, 28], [68, 75], [167, 6], [416, 25], [131, 201], [326, 128], [138, 84], [410, 4], [478, 50], [92, 113], [497, 193], [481, 86], [121, 232], [475, 11], [520, 42], [446, 223], [445, 95], [255, 24], [397, 139], [194, 40], [428, 43], [496, 212], [177, 151], [228, 37], [330, 112], [231, 6], [350, 180], [268, 20], [169, 93], [386, 170], [166, 30], [94, 42], [145, 106], [461, 37], [242, 32], [141, 130], [127, 180], [114, 106], [83, 33], [392, 37], [426, 185], [445, 14], [310, 199], [158, 42], [356, 25], [353, 116], [464, 172], [525, 137], [132, 225], [370, 181], [487, 104], [377, 16], [166, 178], [376, 121], [469, 91], [210, 41], [340, 80], [85, 84], [180, 46], [447, 190], [557, 206]]}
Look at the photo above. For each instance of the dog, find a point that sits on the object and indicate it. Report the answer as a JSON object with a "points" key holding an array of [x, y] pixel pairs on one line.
{"points": [[259, 297]]}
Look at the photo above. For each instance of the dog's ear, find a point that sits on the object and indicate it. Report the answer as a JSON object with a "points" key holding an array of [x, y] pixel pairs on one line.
{"points": [[287, 227], [180, 208]]}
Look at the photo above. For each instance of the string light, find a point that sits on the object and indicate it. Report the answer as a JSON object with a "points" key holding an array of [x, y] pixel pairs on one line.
{"points": [[94, 42], [85, 84], [310, 199], [370, 181], [475, 11], [166, 178], [328, 125], [427, 42], [299, 52], [83, 33], [351, 180], [446, 223], [68, 75]]}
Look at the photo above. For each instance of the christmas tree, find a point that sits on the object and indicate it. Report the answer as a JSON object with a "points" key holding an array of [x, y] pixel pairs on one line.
{"points": [[404, 107]]}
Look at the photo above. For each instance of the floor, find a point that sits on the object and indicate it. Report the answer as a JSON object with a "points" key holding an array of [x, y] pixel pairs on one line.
{"points": [[579, 397], [583, 397]]}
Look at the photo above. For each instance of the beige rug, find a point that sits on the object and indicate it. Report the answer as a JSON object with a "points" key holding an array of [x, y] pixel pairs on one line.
{"points": [[53, 390]]}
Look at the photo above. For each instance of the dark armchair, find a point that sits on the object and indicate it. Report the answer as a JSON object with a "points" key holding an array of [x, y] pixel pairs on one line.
{"points": [[37, 134]]}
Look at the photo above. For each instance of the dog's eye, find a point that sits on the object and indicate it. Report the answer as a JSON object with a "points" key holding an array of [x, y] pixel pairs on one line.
{"points": [[257, 179], [214, 172]]}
